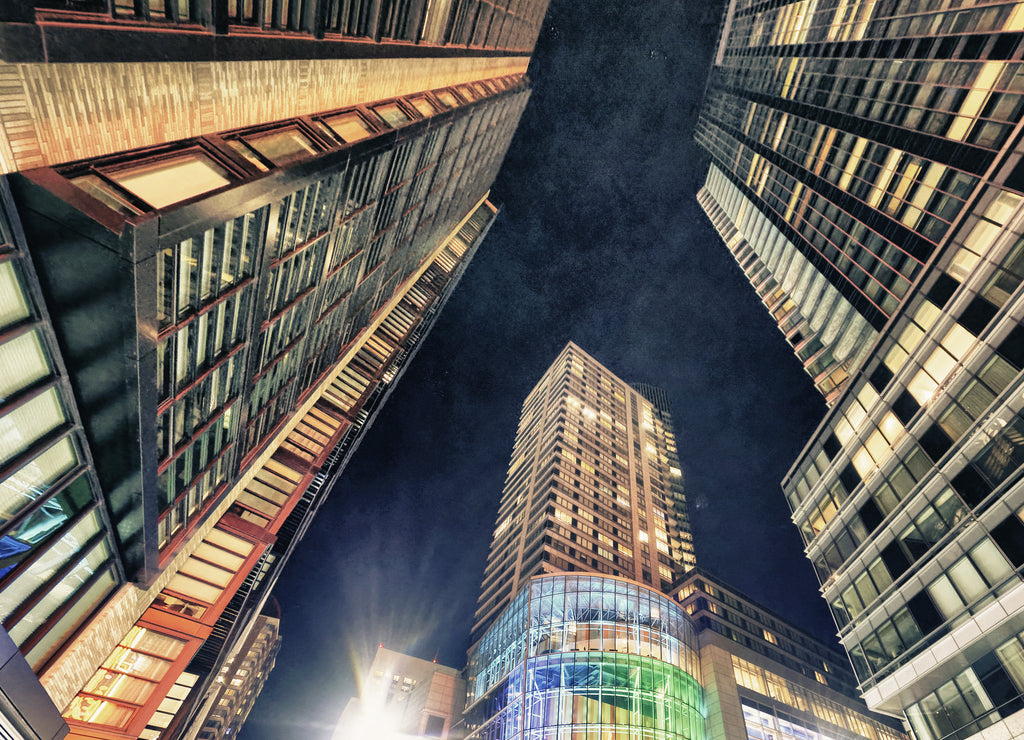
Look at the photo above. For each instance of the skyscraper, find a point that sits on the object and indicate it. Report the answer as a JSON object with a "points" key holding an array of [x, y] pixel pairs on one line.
{"points": [[594, 485], [847, 140], [222, 238], [866, 175], [575, 633]]}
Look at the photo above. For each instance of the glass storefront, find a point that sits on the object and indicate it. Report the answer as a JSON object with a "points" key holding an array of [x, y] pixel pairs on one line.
{"points": [[587, 658]]}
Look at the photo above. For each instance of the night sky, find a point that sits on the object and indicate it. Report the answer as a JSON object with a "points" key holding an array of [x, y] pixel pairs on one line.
{"points": [[600, 241]]}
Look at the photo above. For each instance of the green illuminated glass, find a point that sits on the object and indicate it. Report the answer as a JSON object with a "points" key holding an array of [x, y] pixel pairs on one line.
{"points": [[605, 657]]}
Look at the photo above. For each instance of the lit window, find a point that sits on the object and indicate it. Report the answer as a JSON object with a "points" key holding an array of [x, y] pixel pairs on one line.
{"points": [[922, 386], [448, 99], [349, 126], [22, 361], [958, 341], [424, 106], [25, 424], [939, 364], [891, 427], [282, 147], [170, 180], [393, 114], [130, 674], [13, 306], [32, 480]]}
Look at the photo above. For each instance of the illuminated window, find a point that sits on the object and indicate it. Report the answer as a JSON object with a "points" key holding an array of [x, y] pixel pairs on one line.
{"points": [[282, 147], [349, 126], [423, 105], [393, 114], [163, 182], [28, 422], [126, 679], [22, 362], [13, 306], [32, 479]]}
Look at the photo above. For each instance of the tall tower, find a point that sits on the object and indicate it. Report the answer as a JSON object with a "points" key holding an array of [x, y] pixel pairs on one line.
{"points": [[575, 632], [224, 228], [594, 486], [866, 173], [847, 140]]}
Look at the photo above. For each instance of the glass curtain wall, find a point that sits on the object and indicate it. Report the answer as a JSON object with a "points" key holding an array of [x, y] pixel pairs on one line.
{"points": [[580, 657]]}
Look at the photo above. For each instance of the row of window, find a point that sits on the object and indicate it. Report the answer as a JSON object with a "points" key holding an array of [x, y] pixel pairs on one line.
{"points": [[131, 185], [764, 682], [190, 355], [990, 465], [836, 241], [810, 21], [131, 673], [201, 403], [852, 422], [200, 582], [923, 195], [200, 269], [58, 564], [117, 693], [635, 639], [990, 689], [770, 260], [969, 585], [196, 476], [962, 100], [789, 646], [610, 696]]}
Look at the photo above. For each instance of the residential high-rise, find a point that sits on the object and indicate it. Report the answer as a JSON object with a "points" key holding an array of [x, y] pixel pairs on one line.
{"points": [[866, 173], [594, 485], [220, 242], [575, 633]]}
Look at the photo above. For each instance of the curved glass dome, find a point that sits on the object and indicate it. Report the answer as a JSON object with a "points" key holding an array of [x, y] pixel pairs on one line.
{"points": [[582, 657]]}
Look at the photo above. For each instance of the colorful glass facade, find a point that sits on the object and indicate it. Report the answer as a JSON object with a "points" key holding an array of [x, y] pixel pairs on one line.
{"points": [[580, 656]]}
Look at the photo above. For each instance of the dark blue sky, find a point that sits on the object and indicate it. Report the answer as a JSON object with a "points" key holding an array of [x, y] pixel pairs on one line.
{"points": [[600, 241]]}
